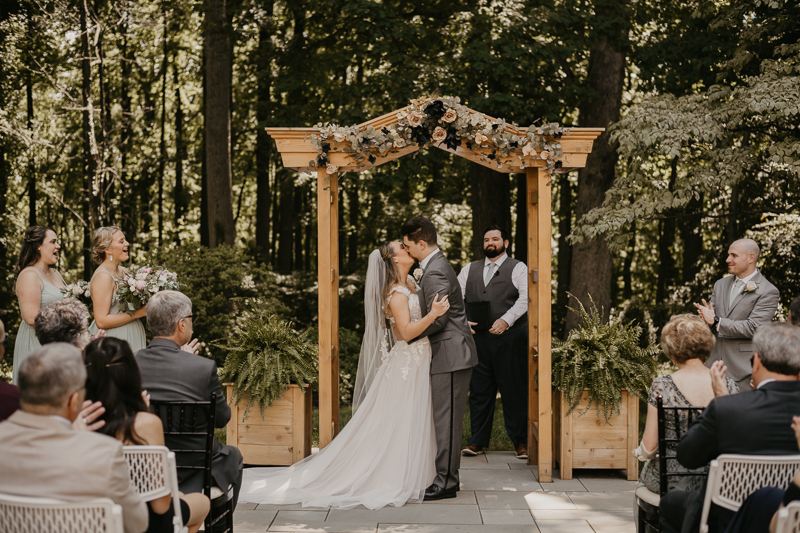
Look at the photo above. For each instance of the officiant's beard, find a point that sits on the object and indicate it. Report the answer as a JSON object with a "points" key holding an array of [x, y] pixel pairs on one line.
{"points": [[493, 252]]}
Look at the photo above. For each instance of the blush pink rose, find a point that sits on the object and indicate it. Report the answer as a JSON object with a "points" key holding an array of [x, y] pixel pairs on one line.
{"points": [[141, 285], [439, 134], [450, 116], [414, 119]]}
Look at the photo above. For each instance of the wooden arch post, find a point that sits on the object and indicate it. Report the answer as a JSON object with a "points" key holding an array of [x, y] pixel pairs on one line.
{"points": [[298, 153]]}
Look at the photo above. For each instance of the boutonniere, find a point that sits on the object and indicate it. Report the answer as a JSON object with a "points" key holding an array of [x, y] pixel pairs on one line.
{"points": [[750, 287], [417, 274]]}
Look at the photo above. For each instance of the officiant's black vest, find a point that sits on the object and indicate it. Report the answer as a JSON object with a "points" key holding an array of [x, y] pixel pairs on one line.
{"points": [[500, 292]]}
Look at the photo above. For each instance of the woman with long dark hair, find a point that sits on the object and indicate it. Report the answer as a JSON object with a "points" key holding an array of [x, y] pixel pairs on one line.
{"points": [[113, 378], [37, 284]]}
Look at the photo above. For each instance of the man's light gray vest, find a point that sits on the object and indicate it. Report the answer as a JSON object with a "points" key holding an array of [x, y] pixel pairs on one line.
{"points": [[500, 292]]}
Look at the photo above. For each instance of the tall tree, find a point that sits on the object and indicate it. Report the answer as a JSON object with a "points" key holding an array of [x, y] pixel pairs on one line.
{"points": [[491, 203], [592, 267], [263, 142], [90, 207], [217, 118]]}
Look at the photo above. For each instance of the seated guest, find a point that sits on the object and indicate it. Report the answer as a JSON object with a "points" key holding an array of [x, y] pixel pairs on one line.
{"points": [[9, 394], [64, 320], [759, 512], [170, 374], [687, 342], [756, 422], [114, 380], [43, 456], [793, 317]]}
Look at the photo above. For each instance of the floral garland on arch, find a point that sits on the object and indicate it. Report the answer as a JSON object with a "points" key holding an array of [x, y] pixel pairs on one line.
{"points": [[441, 121]]}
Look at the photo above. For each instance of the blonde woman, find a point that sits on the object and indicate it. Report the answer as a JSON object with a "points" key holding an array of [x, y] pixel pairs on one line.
{"points": [[109, 249], [37, 284]]}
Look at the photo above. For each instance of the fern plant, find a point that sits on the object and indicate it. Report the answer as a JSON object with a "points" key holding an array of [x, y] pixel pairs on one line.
{"points": [[604, 358], [265, 356]]}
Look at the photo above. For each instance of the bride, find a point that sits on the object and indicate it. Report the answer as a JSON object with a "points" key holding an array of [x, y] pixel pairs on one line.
{"points": [[385, 454]]}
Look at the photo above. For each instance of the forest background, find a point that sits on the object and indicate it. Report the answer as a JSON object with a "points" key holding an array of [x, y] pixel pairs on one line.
{"points": [[150, 115]]}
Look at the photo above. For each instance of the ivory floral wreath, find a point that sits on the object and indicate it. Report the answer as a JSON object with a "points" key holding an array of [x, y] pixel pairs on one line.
{"points": [[442, 121]]}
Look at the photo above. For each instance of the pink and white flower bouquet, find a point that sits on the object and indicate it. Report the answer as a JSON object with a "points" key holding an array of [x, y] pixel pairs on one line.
{"points": [[137, 288], [79, 291]]}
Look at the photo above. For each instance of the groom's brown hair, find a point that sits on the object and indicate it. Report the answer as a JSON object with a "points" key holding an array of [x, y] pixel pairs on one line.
{"points": [[420, 229]]}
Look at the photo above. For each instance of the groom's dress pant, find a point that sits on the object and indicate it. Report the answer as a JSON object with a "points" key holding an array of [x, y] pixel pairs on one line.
{"points": [[449, 393], [503, 365]]}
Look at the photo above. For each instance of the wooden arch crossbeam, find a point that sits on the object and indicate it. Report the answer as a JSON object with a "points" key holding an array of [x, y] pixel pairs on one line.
{"points": [[298, 153]]}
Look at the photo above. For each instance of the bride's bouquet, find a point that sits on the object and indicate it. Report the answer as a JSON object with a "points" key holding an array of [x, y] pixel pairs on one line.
{"points": [[137, 289], [79, 291]]}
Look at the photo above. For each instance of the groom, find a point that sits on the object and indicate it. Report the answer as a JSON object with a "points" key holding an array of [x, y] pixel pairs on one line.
{"points": [[453, 353]]}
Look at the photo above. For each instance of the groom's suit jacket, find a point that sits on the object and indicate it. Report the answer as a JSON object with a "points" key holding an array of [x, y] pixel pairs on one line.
{"points": [[738, 321], [452, 346]]}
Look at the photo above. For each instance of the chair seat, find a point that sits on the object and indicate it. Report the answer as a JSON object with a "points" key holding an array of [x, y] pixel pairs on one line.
{"points": [[648, 496], [217, 493]]}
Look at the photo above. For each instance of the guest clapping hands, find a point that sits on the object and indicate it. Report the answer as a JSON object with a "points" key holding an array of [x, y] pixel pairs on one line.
{"points": [[38, 283], [109, 249]]}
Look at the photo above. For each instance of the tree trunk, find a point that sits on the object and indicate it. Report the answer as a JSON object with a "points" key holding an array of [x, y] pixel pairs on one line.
{"points": [[90, 212], [263, 141], [31, 151], [103, 183], [592, 267], [219, 174], [491, 203], [162, 145], [180, 154], [127, 191], [692, 237], [285, 238], [521, 233], [666, 262], [564, 251]]}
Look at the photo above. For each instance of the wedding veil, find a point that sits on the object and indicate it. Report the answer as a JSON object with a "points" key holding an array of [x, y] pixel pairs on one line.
{"points": [[378, 339]]}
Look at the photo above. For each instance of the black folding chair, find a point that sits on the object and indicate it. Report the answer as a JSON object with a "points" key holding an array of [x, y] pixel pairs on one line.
{"points": [[189, 432], [646, 500]]}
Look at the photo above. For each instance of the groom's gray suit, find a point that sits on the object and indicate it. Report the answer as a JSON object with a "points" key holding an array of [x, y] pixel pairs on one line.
{"points": [[738, 320], [453, 356]]}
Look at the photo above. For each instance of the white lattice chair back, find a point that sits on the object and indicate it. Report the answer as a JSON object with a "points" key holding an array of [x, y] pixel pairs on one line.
{"points": [[732, 478], [22, 515], [154, 474], [789, 519]]}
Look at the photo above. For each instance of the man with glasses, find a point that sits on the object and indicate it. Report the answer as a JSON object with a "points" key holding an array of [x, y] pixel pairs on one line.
{"points": [[170, 374], [9, 394]]}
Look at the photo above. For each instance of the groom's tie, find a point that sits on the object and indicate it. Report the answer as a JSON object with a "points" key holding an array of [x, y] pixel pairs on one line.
{"points": [[489, 274], [735, 290]]}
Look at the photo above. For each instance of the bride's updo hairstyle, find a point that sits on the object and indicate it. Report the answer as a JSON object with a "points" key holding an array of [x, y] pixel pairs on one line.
{"points": [[392, 274], [101, 241]]}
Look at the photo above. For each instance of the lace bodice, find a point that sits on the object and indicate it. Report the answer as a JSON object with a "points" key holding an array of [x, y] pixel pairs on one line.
{"points": [[414, 307]]}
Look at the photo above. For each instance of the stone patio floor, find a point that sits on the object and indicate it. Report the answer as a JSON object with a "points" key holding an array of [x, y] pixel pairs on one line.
{"points": [[499, 493]]}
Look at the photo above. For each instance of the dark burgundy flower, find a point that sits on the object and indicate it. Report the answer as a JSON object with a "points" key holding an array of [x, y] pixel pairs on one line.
{"points": [[513, 144], [495, 126], [384, 130], [326, 147], [372, 158], [322, 159], [493, 155], [559, 164], [451, 141], [435, 109], [468, 145], [420, 135]]}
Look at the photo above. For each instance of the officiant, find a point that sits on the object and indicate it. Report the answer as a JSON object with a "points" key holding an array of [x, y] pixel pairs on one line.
{"points": [[495, 291]]}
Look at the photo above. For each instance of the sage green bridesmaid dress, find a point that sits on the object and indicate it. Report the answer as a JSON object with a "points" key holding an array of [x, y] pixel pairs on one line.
{"points": [[26, 338], [133, 331]]}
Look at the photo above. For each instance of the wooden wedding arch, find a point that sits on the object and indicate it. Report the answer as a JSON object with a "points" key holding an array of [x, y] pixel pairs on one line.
{"points": [[298, 153]]}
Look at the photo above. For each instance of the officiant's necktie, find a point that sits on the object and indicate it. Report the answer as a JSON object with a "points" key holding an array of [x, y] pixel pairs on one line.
{"points": [[736, 289], [489, 274]]}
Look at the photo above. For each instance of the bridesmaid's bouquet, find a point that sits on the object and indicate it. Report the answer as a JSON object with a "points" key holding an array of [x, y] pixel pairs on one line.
{"points": [[79, 291], [137, 289]]}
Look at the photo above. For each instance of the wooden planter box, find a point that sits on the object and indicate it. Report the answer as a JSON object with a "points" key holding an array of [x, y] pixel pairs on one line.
{"points": [[282, 437], [589, 442]]}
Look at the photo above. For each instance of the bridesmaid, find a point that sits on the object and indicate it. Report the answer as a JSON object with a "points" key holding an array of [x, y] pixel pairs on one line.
{"points": [[37, 284], [109, 249]]}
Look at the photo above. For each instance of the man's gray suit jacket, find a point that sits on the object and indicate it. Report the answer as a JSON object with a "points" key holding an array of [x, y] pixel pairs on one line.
{"points": [[738, 321], [452, 345], [170, 374]]}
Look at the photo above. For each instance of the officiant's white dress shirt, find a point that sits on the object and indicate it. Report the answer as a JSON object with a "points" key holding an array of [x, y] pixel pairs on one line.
{"points": [[519, 277]]}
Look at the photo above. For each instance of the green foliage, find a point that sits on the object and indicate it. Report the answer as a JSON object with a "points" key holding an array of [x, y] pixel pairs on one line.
{"points": [[265, 356], [604, 358], [217, 281]]}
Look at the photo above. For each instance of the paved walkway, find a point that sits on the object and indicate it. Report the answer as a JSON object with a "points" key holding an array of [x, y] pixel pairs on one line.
{"points": [[499, 493]]}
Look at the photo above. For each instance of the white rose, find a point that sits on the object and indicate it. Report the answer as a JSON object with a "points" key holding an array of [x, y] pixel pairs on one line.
{"points": [[751, 286], [399, 143], [87, 293], [528, 150], [439, 134], [545, 154], [132, 282], [163, 277], [417, 273], [141, 276], [450, 116], [331, 169], [76, 290], [338, 137], [480, 139]]}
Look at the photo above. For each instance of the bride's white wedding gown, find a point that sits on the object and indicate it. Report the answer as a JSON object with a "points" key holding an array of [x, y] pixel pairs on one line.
{"points": [[384, 456]]}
